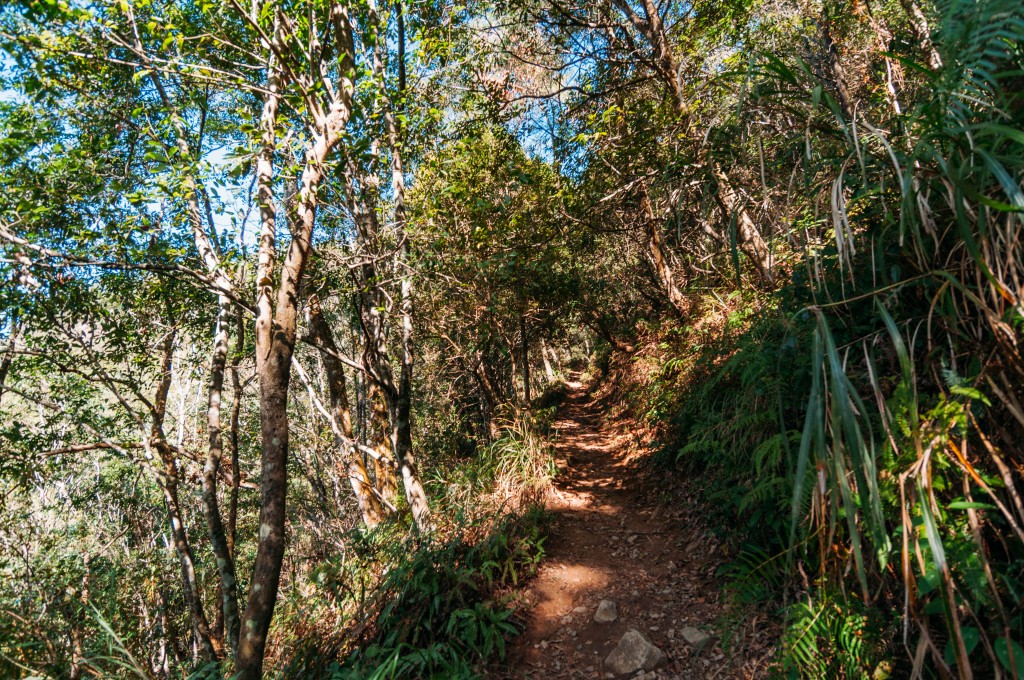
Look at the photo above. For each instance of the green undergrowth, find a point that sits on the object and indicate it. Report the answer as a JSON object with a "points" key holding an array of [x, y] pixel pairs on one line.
{"points": [[856, 424], [802, 477], [416, 607], [510, 472], [442, 608], [398, 604]]}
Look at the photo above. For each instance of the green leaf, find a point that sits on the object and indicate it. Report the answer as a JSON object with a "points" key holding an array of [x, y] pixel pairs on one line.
{"points": [[970, 393], [965, 505], [1003, 647], [971, 637]]}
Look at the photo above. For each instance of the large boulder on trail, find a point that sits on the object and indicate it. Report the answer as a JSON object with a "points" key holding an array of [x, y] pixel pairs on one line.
{"points": [[634, 653]]}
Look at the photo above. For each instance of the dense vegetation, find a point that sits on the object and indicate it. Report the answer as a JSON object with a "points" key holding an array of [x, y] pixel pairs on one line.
{"points": [[290, 287]]}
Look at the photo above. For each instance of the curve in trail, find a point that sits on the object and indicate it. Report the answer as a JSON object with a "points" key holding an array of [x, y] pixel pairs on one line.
{"points": [[619, 533]]}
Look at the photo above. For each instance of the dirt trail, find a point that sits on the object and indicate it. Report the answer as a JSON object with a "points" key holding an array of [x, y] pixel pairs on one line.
{"points": [[617, 533]]}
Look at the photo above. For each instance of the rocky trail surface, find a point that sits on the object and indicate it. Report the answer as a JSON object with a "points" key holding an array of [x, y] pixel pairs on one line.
{"points": [[627, 588]]}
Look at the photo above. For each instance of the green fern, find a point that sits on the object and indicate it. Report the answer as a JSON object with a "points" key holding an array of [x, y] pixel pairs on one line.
{"points": [[830, 639]]}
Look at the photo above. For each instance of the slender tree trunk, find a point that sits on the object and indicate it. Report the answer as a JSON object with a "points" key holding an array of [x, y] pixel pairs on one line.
{"points": [[352, 463], [524, 348], [397, 392], [747, 235], [272, 403], [919, 24], [218, 538], [236, 410], [397, 396], [166, 636], [513, 357], [660, 257], [190, 586], [382, 391], [273, 373], [489, 396], [77, 636], [402, 407], [5, 363], [401, 437], [207, 249], [835, 65], [276, 323], [168, 480], [159, 662], [893, 68], [362, 421], [273, 376], [549, 372]]}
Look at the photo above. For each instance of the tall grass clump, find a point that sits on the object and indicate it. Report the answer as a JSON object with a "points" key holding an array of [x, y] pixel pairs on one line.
{"points": [[510, 473]]}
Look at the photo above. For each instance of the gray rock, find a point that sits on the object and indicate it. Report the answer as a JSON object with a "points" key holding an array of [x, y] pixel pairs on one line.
{"points": [[634, 653], [606, 612], [694, 636]]}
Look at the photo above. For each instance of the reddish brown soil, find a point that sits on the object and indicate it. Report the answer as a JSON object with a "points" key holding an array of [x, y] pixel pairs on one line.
{"points": [[618, 532]]}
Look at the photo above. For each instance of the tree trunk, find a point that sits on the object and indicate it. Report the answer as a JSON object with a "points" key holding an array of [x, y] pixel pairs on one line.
{"points": [[513, 358], [660, 258], [353, 467], [748, 237], [397, 391], [402, 418], [207, 249], [5, 363], [190, 586], [401, 437], [273, 401], [549, 372], [919, 24], [168, 481], [273, 370], [273, 375], [524, 348], [893, 68], [215, 525], [78, 659], [489, 396], [276, 326], [236, 409], [837, 74]]}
